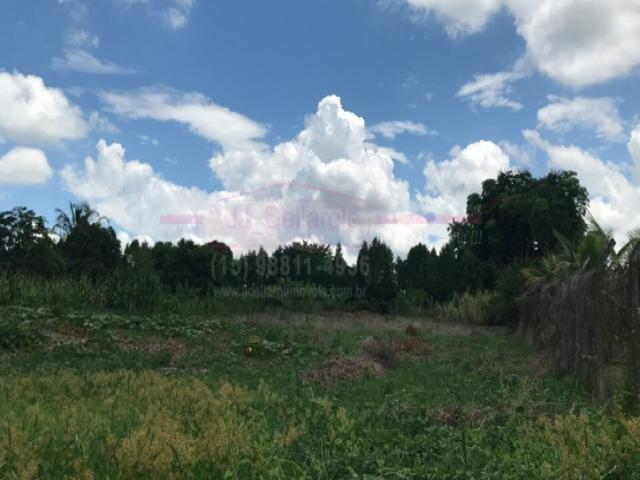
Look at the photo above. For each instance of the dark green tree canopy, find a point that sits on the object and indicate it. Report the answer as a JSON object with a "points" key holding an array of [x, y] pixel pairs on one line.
{"points": [[91, 251], [515, 215], [26, 245]]}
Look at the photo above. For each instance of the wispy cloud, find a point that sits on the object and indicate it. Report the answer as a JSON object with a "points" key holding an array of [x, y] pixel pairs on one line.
{"points": [[204, 117], [598, 114], [98, 123], [174, 14], [495, 90], [78, 41], [78, 60], [392, 129]]}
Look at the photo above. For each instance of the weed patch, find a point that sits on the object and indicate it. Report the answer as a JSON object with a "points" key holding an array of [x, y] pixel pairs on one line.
{"points": [[340, 369]]}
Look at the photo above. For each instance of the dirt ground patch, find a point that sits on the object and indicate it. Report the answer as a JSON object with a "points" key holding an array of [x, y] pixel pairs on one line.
{"points": [[379, 356], [65, 335], [331, 321], [396, 350], [344, 369], [336, 321]]}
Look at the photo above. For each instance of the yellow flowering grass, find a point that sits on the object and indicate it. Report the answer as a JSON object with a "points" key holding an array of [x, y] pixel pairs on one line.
{"points": [[591, 445], [148, 425]]}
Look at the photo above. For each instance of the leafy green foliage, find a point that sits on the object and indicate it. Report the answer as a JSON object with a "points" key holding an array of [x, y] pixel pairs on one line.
{"points": [[517, 214], [26, 245], [91, 251], [377, 274]]}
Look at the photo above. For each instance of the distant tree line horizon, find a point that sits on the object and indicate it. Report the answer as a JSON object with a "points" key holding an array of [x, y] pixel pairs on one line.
{"points": [[510, 224]]}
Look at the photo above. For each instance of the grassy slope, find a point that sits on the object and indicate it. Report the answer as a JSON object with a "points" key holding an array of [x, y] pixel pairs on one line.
{"points": [[114, 397]]}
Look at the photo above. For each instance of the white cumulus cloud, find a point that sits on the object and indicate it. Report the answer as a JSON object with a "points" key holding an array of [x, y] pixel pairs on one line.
{"points": [[332, 152], [576, 42], [613, 198], [329, 183], [32, 112], [449, 182], [24, 166]]}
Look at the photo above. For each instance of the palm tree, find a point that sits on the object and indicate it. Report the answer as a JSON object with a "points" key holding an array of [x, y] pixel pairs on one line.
{"points": [[547, 268], [595, 249], [79, 214], [633, 240]]}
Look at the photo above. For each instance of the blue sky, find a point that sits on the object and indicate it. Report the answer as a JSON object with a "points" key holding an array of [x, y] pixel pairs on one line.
{"points": [[423, 99]]}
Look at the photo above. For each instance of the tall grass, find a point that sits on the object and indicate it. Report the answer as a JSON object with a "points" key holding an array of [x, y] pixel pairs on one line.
{"points": [[468, 308], [146, 425]]}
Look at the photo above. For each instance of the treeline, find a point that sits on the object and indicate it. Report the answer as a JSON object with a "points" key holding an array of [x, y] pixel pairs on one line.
{"points": [[510, 224]]}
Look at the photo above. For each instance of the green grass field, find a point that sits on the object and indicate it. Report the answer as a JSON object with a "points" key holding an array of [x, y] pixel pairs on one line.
{"points": [[292, 396]]}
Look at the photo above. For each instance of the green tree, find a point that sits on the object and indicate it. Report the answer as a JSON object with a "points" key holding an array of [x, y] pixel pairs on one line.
{"points": [[79, 214], [90, 247], [91, 250], [26, 245], [516, 215], [376, 272]]}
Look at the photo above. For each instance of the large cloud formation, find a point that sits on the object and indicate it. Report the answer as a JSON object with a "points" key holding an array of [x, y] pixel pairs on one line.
{"points": [[576, 42], [329, 183]]}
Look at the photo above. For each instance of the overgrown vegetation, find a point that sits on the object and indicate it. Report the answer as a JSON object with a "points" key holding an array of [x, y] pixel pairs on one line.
{"points": [[121, 396]]}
